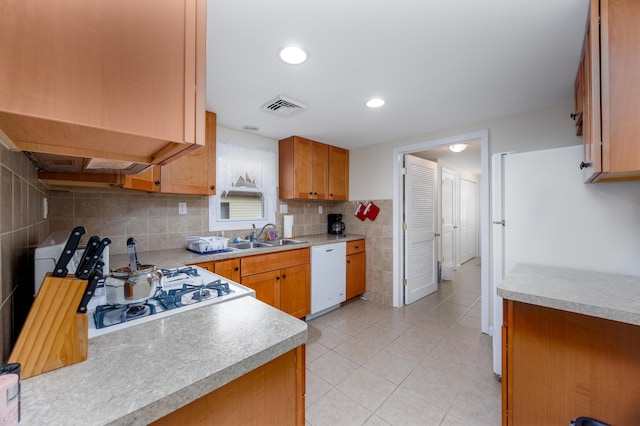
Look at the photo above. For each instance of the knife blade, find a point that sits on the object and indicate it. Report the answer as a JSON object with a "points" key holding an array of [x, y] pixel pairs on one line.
{"points": [[83, 274], [92, 245], [91, 288], [60, 270]]}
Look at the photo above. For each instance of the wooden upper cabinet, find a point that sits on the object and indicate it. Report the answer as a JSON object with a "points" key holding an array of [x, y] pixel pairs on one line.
{"points": [[338, 174], [611, 93], [119, 79], [303, 169], [312, 170], [195, 173]]}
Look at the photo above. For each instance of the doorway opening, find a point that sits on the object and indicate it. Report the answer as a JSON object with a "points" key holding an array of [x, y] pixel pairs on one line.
{"points": [[398, 247]]}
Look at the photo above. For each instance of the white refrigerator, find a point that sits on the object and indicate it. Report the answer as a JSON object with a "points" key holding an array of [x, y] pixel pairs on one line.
{"points": [[552, 218]]}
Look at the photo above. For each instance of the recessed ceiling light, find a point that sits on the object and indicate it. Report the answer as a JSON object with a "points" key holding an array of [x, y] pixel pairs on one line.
{"points": [[375, 103], [292, 55], [250, 127]]}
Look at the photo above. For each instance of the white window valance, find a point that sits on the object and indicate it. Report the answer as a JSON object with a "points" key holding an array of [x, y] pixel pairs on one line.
{"points": [[244, 168]]}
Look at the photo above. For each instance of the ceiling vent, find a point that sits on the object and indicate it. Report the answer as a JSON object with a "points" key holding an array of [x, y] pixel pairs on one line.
{"points": [[283, 106]]}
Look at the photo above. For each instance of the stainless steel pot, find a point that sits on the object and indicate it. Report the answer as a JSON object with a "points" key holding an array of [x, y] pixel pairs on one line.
{"points": [[126, 287]]}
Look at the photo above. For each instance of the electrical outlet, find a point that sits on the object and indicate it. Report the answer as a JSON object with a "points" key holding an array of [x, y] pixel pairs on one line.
{"points": [[182, 208], [319, 209], [284, 209]]}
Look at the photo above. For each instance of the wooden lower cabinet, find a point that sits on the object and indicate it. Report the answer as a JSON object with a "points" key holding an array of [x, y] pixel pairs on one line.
{"points": [[272, 394], [356, 269], [559, 365], [229, 268], [265, 285], [282, 280]]}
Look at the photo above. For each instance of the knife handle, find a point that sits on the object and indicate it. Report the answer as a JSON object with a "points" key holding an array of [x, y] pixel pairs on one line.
{"points": [[92, 262], [60, 270], [95, 276], [91, 247]]}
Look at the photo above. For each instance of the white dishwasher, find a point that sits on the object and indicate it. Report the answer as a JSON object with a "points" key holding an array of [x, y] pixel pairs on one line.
{"points": [[328, 277]]}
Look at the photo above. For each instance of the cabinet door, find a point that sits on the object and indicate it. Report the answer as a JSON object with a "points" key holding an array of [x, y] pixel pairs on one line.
{"points": [[194, 173], [320, 170], [125, 81], [338, 174], [229, 269], [266, 286], [591, 125], [620, 87], [356, 274], [149, 180], [295, 291]]}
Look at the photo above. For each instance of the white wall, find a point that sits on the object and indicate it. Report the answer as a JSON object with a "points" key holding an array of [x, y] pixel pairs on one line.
{"points": [[370, 168], [245, 138]]}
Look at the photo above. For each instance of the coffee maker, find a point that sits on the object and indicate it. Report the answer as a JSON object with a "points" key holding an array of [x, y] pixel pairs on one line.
{"points": [[336, 225]]}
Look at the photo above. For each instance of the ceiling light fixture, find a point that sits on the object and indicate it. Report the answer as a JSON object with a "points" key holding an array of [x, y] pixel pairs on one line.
{"points": [[292, 55], [375, 103], [458, 148]]}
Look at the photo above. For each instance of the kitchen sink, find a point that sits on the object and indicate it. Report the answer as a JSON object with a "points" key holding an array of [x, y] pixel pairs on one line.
{"points": [[284, 242], [246, 245]]}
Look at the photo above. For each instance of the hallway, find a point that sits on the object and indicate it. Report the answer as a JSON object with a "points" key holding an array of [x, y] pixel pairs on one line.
{"points": [[423, 364]]}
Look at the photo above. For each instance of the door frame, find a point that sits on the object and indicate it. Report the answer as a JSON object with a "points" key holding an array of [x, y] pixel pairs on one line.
{"points": [[398, 249]]}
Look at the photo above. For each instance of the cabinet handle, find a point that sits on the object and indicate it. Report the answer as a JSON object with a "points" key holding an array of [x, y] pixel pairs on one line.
{"points": [[212, 187], [583, 165], [574, 116], [348, 261], [278, 277], [315, 193], [284, 276], [357, 247], [331, 194], [156, 182], [311, 193], [236, 269]]}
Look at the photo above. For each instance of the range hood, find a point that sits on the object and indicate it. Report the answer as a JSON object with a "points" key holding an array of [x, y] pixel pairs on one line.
{"points": [[67, 164]]}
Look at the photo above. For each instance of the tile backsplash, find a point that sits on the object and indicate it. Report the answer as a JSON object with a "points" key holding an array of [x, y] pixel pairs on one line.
{"points": [[22, 226]]}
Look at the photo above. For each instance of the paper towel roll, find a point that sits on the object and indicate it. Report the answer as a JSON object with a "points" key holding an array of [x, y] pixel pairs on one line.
{"points": [[288, 226]]}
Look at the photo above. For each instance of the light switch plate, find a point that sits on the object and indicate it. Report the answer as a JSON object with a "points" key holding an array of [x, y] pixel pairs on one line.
{"points": [[284, 209], [319, 209], [182, 208]]}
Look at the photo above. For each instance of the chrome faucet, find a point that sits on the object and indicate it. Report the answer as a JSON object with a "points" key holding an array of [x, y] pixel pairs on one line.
{"points": [[264, 227], [253, 233]]}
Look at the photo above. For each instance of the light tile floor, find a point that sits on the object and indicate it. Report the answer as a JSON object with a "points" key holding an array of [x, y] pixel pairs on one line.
{"points": [[423, 364]]}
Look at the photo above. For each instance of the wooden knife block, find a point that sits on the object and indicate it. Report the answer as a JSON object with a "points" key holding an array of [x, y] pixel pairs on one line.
{"points": [[54, 335]]}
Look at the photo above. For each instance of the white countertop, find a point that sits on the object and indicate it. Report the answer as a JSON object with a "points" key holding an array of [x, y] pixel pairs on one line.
{"points": [[137, 375], [598, 294]]}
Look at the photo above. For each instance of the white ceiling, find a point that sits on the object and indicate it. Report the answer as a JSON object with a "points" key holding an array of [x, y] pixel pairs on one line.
{"points": [[437, 63]]}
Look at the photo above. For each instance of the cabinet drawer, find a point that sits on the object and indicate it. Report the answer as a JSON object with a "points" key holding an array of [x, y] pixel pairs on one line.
{"points": [[356, 246], [272, 261]]}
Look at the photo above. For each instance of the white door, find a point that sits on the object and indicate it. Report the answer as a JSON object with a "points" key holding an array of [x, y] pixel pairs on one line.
{"points": [[448, 217], [420, 190], [468, 208]]}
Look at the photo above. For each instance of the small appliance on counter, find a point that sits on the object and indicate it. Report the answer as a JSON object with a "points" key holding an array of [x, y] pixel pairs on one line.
{"points": [[335, 224]]}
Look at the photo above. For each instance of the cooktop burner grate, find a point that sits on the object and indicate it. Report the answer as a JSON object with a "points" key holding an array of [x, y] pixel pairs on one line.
{"points": [[190, 294], [107, 315]]}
